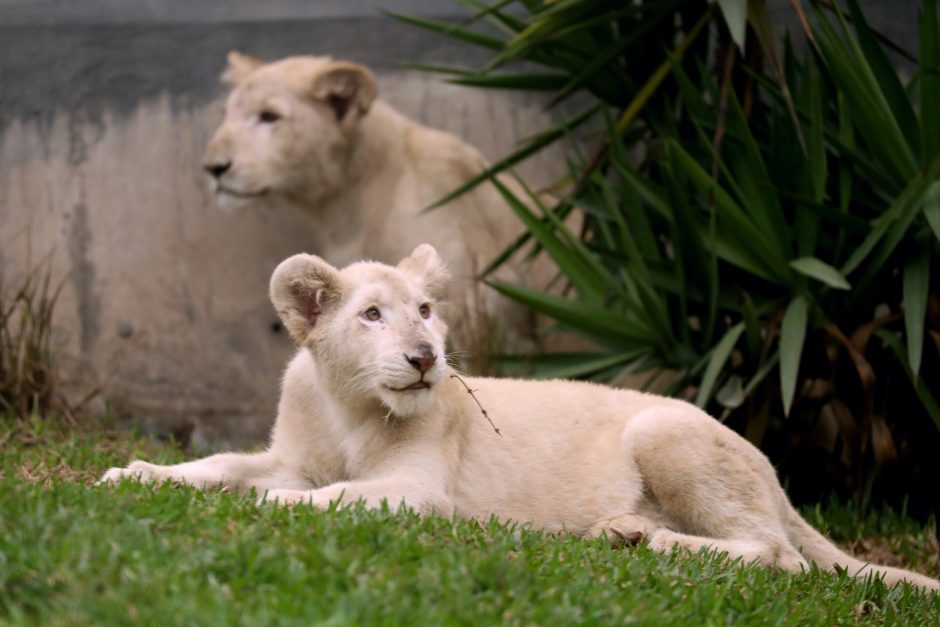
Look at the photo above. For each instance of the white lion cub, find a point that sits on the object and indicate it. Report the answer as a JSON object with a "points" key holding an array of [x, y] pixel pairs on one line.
{"points": [[371, 411]]}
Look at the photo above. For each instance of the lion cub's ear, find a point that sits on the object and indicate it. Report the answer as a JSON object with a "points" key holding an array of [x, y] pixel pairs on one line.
{"points": [[426, 265], [347, 88], [239, 66], [302, 288]]}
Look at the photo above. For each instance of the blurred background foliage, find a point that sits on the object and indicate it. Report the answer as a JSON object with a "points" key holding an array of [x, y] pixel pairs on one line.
{"points": [[762, 220]]}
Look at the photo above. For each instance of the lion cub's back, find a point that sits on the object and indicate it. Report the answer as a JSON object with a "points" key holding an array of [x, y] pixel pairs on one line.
{"points": [[562, 404], [560, 460]]}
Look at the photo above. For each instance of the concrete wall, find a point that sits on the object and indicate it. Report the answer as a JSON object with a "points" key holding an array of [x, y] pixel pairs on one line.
{"points": [[105, 109]]}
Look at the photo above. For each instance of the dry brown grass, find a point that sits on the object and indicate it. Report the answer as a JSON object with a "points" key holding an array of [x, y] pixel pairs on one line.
{"points": [[28, 376], [47, 450], [899, 550]]}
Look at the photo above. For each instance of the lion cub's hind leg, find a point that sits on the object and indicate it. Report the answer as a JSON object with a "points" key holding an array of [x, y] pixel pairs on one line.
{"points": [[712, 488], [631, 530], [768, 552]]}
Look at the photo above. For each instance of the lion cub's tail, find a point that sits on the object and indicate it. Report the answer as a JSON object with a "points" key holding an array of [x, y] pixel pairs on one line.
{"points": [[818, 548]]}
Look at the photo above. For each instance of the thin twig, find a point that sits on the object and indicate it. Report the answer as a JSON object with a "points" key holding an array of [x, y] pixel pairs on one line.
{"points": [[722, 110], [477, 401]]}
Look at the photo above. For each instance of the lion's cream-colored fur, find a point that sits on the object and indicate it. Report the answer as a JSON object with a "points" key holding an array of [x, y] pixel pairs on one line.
{"points": [[370, 410], [311, 131]]}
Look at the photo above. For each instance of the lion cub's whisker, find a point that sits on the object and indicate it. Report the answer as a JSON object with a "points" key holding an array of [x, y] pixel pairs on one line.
{"points": [[364, 379]]}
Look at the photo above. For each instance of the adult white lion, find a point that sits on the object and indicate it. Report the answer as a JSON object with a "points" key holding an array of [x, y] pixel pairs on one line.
{"points": [[370, 410], [311, 131]]}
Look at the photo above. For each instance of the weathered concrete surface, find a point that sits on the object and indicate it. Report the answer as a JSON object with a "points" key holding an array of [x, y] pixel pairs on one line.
{"points": [[102, 125]]}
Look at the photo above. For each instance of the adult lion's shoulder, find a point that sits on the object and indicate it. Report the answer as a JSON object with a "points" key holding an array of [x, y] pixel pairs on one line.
{"points": [[443, 157]]}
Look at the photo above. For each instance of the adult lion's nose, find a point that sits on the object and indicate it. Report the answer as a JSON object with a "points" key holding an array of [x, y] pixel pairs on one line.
{"points": [[217, 169]]}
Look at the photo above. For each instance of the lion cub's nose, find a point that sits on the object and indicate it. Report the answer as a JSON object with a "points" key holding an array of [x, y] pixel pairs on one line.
{"points": [[424, 360], [217, 169]]}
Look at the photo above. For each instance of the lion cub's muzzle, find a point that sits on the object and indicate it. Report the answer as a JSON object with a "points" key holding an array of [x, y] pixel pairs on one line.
{"points": [[423, 360]]}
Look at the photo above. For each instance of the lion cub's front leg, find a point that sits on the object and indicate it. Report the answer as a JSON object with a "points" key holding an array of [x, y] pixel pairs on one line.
{"points": [[142, 471], [422, 498], [237, 470]]}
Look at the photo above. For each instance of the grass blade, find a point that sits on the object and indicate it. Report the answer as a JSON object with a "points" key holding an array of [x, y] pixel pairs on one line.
{"points": [[930, 82], [898, 231], [915, 290], [574, 365], [529, 82], [583, 276], [758, 193], [887, 77], [735, 14], [866, 101], [649, 88], [792, 336], [508, 24], [821, 271], [595, 320], [585, 258], [482, 12], [449, 29], [755, 381], [435, 69], [719, 357], [923, 392], [737, 239], [591, 76], [752, 326], [932, 208], [913, 196], [536, 144]]}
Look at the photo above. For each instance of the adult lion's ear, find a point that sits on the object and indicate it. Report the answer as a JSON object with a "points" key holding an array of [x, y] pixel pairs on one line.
{"points": [[347, 88], [302, 288], [239, 66], [426, 265]]}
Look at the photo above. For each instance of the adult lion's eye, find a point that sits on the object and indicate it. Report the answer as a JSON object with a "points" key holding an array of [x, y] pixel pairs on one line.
{"points": [[268, 117], [373, 314], [425, 310]]}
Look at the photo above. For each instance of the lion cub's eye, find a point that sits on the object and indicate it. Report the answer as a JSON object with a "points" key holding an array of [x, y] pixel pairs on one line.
{"points": [[268, 117], [425, 310], [372, 313]]}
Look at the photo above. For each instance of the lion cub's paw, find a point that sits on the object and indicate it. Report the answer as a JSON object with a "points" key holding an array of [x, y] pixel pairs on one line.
{"points": [[663, 541], [285, 497], [138, 470]]}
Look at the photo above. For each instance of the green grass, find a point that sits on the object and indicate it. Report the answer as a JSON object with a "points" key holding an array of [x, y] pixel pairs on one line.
{"points": [[75, 554]]}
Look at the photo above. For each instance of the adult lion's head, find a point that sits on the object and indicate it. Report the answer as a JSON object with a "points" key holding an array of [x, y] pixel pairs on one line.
{"points": [[287, 129]]}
